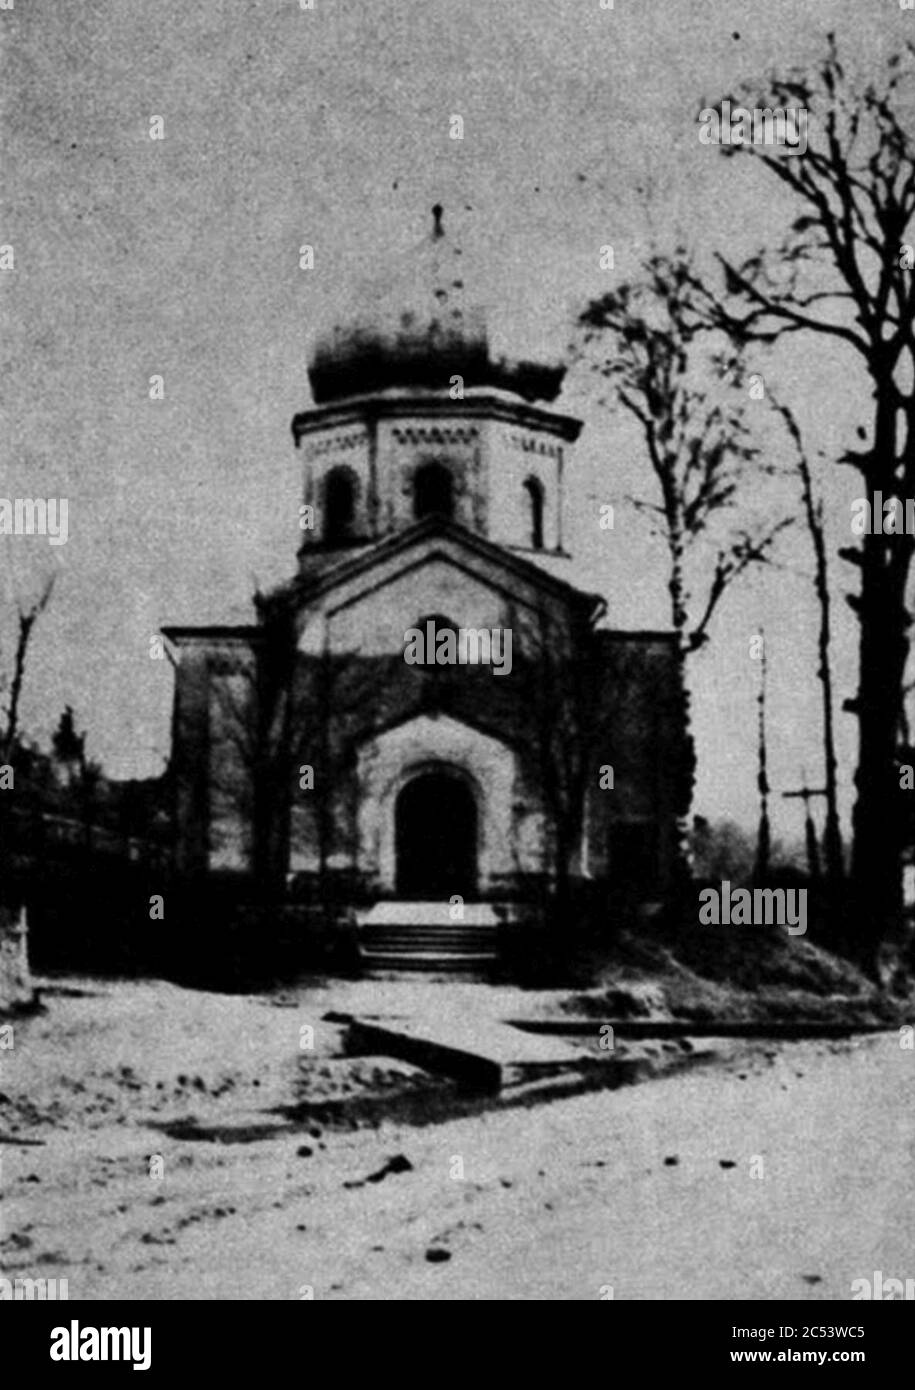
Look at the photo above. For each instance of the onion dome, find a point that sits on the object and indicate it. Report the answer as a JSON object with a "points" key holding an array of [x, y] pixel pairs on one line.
{"points": [[417, 327]]}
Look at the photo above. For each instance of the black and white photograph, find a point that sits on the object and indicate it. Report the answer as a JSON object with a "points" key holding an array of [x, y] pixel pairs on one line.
{"points": [[457, 698]]}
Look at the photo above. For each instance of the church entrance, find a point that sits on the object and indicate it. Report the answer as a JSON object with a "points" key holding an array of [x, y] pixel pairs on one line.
{"points": [[436, 837]]}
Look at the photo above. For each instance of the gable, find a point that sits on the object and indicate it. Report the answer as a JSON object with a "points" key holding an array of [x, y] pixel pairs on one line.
{"points": [[368, 606]]}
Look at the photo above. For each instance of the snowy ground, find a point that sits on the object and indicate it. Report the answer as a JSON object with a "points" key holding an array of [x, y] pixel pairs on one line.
{"points": [[785, 1170]]}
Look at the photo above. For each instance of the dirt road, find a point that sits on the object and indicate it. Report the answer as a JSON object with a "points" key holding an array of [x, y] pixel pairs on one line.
{"points": [[787, 1171]]}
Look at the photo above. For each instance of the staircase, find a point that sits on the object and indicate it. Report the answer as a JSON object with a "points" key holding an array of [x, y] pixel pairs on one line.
{"points": [[416, 936]]}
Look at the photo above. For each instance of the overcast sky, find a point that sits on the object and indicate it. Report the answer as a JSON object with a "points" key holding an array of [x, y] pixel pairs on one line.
{"points": [[331, 126]]}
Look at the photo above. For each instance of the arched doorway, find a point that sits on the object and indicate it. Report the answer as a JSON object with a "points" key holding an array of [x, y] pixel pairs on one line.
{"points": [[435, 823]]}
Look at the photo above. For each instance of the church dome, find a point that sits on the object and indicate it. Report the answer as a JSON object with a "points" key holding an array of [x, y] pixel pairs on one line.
{"points": [[418, 327]]}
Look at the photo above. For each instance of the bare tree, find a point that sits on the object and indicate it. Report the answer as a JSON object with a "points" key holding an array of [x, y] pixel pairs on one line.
{"points": [[856, 186], [285, 713], [679, 378], [28, 611], [671, 372], [15, 986], [764, 832], [335, 698], [551, 666], [813, 512]]}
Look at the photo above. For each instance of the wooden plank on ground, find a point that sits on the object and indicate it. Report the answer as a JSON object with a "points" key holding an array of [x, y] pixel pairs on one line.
{"points": [[482, 1053]]}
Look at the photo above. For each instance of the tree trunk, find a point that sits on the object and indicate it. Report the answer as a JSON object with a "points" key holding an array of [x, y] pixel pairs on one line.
{"points": [[876, 877], [835, 864], [26, 622], [763, 835]]}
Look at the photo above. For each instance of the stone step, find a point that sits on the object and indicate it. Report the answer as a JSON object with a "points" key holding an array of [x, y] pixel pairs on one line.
{"points": [[413, 942], [424, 952], [432, 935], [424, 960], [416, 936], [443, 951], [452, 928], [406, 913]]}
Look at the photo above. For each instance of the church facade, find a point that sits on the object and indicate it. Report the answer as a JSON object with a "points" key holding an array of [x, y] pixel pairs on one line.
{"points": [[429, 712]]}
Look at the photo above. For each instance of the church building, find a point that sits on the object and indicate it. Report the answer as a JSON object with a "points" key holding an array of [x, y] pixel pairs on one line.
{"points": [[429, 729]]}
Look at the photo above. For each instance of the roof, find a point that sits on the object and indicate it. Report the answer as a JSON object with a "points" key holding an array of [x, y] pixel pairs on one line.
{"points": [[351, 565], [414, 323]]}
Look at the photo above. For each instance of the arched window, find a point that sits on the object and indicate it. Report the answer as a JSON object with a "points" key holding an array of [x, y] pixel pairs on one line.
{"points": [[339, 504], [534, 489], [439, 621], [433, 491]]}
